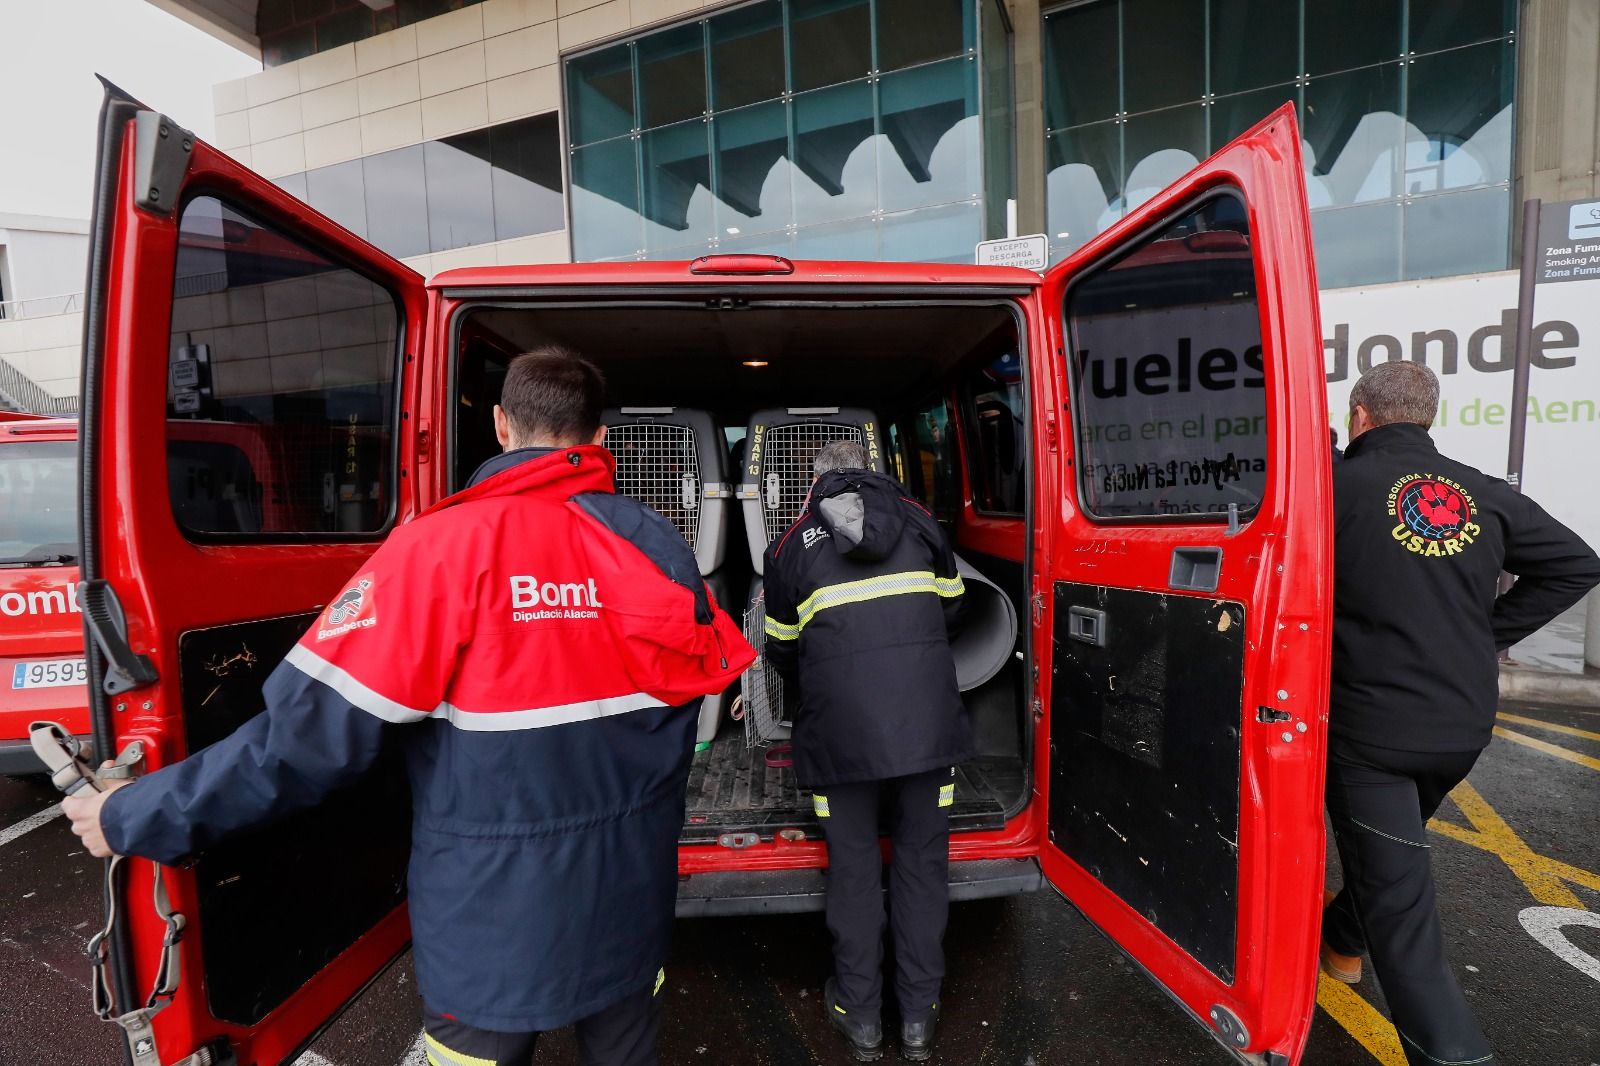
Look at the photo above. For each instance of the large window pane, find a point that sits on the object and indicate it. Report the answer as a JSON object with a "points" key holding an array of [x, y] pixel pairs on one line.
{"points": [[1253, 43], [929, 151], [753, 169], [947, 234], [527, 176], [1082, 70], [1164, 62], [837, 176], [460, 191], [1232, 115], [1159, 147], [397, 201], [856, 239], [1458, 118], [676, 165], [1357, 245], [1083, 187], [830, 41], [605, 201], [338, 192], [672, 75], [1353, 133], [1341, 35], [1126, 324], [999, 115], [920, 31], [747, 64], [1437, 24], [1457, 233], [600, 95], [283, 420]]}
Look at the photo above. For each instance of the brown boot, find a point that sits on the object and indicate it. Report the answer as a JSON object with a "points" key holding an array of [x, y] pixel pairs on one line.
{"points": [[1343, 968]]}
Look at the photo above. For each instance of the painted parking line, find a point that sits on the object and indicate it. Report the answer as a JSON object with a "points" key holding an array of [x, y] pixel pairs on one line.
{"points": [[1546, 879], [1548, 748], [1537, 723], [29, 824], [1361, 1020], [416, 1054]]}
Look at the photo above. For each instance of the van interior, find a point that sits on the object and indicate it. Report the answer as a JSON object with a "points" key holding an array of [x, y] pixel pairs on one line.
{"points": [[938, 384]]}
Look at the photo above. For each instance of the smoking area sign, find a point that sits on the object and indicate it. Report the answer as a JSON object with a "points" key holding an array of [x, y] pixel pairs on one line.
{"points": [[1569, 242], [1031, 252]]}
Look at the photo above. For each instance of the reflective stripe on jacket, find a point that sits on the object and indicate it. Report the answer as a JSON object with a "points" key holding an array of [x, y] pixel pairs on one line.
{"points": [[537, 639]]}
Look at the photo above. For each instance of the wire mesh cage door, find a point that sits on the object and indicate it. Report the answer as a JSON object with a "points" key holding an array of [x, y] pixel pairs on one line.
{"points": [[765, 699]]}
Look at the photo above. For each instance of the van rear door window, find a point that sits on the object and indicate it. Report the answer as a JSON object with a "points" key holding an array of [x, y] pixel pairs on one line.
{"points": [[39, 503], [1168, 374], [280, 390]]}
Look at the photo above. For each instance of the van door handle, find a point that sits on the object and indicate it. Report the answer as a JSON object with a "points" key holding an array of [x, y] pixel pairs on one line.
{"points": [[1087, 625], [1195, 569]]}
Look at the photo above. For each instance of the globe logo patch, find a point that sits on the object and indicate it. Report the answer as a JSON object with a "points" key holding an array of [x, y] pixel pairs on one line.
{"points": [[1433, 515]]}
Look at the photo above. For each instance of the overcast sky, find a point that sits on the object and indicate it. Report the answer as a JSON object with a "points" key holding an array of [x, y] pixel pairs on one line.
{"points": [[50, 52]]}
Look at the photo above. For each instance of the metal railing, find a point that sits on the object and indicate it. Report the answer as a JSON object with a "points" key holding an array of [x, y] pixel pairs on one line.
{"points": [[42, 306], [18, 392]]}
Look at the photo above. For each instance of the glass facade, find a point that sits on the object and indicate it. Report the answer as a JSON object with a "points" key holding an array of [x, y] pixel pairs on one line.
{"points": [[846, 129], [1405, 108], [491, 184]]}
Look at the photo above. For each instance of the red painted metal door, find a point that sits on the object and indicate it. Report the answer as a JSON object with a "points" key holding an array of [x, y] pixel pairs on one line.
{"points": [[1184, 590], [249, 376]]}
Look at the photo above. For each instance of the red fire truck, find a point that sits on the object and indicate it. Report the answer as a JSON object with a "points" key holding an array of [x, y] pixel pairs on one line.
{"points": [[1131, 449]]}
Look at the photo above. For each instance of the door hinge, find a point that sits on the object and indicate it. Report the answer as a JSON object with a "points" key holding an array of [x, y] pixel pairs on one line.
{"points": [[162, 151], [103, 617]]}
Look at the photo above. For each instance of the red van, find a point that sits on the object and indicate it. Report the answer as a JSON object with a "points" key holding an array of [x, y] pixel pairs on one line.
{"points": [[1130, 449], [42, 672]]}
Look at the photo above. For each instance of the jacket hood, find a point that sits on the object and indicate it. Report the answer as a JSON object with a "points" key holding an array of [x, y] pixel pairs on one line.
{"points": [[861, 511], [556, 472]]}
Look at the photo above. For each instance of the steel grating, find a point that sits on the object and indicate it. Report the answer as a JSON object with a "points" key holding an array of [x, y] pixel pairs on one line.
{"points": [[657, 464], [788, 451]]}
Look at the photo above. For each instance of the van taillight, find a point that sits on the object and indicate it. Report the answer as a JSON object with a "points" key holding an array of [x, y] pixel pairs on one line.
{"points": [[741, 264]]}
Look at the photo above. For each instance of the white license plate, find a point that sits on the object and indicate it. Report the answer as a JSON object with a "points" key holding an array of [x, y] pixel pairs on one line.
{"points": [[49, 673]]}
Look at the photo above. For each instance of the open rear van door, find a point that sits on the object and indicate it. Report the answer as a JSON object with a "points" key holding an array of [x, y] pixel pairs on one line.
{"points": [[1185, 587], [246, 384]]}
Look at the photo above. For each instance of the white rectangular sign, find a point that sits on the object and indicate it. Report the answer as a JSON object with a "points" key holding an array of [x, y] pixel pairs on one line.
{"points": [[1031, 252], [1465, 329]]}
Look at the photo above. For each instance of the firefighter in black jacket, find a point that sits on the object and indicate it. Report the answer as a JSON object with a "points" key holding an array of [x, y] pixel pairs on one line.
{"points": [[1420, 542], [862, 594]]}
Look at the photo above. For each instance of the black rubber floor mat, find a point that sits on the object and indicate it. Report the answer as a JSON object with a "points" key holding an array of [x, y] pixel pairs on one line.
{"points": [[731, 788]]}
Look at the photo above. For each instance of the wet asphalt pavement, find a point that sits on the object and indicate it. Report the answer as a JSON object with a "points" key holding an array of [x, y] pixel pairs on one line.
{"points": [[1030, 982]]}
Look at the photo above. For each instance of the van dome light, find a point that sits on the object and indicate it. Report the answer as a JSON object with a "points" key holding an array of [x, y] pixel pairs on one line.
{"points": [[741, 264], [755, 362]]}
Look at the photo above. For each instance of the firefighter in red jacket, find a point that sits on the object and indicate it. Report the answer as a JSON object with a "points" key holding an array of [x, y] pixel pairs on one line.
{"points": [[534, 642]]}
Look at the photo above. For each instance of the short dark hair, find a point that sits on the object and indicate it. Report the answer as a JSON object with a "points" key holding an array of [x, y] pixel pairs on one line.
{"points": [[553, 395]]}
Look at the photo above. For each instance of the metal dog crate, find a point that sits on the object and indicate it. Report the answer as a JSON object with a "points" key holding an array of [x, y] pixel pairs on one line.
{"points": [[672, 458], [779, 447]]}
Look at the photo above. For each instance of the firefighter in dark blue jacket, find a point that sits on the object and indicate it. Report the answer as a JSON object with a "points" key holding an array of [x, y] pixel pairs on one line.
{"points": [[862, 595], [534, 643]]}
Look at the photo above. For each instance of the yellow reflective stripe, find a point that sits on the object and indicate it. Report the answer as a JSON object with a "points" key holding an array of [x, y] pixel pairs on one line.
{"points": [[819, 803], [780, 630], [661, 979], [872, 588], [947, 795], [449, 1057]]}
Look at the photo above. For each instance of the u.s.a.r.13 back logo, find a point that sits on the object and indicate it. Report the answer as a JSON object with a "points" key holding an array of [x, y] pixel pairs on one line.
{"points": [[1433, 515]]}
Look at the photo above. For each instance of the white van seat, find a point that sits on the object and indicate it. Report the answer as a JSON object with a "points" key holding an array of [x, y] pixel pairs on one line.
{"points": [[672, 459], [779, 446]]}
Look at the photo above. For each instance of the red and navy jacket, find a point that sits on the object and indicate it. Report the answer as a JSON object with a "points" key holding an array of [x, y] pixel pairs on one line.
{"points": [[533, 643]]}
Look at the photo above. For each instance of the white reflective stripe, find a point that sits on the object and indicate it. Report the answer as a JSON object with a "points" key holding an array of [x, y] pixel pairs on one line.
{"points": [[872, 588], [780, 630], [539, 717], [317, 668]]}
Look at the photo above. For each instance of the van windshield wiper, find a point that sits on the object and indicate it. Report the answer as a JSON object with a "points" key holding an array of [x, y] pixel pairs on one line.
{"points": [[41, 560]]}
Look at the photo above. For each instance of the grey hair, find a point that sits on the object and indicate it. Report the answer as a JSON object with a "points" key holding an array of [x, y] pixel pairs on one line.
{"points": [[839, 455], [1400, 391]]}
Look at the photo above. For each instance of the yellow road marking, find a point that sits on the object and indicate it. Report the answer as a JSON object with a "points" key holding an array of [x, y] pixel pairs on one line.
{"points": [[1545, 879], [1361, 1020], [1570, 731], [1548, 748]]}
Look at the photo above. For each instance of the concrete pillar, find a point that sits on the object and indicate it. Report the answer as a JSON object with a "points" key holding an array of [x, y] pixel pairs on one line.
{"points": [[1591, 633], [1558, 103], [1028, 54]]}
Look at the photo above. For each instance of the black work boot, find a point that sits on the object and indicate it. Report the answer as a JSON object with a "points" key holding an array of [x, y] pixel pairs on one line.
{"points": [[865, 1036], [916, 1038]]}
